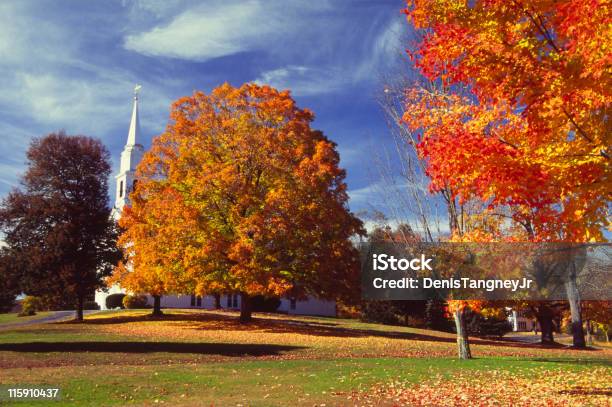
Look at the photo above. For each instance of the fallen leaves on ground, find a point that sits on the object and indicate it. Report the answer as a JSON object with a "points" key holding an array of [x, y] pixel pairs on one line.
{"points": [[324, 337], [214, 334], [541, 387]]}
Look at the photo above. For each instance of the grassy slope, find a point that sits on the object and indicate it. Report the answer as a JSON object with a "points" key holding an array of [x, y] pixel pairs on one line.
{"points": [[259, 382], [13, 318], [192, 358]]}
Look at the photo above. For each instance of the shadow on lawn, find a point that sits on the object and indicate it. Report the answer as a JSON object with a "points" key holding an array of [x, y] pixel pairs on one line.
{"points": [[211, 321], [223, 349], [209, 317], [294, 326]]}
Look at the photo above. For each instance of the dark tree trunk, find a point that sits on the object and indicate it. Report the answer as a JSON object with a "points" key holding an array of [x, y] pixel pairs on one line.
{"points": [[157, 306], [245, 308], [79, 308], [463, 344], [217, 301], [546, 325]]}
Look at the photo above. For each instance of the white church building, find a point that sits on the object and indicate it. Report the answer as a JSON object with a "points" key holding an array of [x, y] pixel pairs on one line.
{"points": [[130, 157]]}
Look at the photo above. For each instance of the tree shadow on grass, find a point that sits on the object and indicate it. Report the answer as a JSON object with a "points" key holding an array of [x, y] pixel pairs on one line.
{"points": [[215, 316], [122, 319], [281, 326], [273, 323], [222, 349]]}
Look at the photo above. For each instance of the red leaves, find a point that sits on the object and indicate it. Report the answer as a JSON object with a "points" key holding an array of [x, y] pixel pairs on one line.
{"points": [[518, 121]]}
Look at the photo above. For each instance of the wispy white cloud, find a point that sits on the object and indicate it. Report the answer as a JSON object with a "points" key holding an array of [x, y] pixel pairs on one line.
{"points": [[366, 64], [385, 49], [95, 103], [318, 47], [219, 28], [46, 79], [303, 80], [20, 42], [208, 31], [368, 196], [353, 153], [49, 83], [58, 73]]}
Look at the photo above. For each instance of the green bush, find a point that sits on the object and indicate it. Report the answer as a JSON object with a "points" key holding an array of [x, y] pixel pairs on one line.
{"points": [[29, 306], [115, 301], [382, 312], [411, 313], [135, 301], [478, 325], [91, 305]]}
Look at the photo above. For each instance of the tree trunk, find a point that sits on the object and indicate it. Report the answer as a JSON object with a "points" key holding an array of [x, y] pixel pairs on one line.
{"points": [[573, 296], [79, 308], [546, 326], [157, 306], [463, 344], [245, 308], [589, 336], [217, 301]]}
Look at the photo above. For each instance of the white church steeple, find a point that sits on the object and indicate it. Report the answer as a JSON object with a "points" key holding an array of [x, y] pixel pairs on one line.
{"points": [[134, 123], [130, 157]]}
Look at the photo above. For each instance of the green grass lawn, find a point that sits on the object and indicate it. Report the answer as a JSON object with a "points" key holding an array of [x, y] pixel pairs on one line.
{"points": [[284, 382], [11, 318], [208, 358]]}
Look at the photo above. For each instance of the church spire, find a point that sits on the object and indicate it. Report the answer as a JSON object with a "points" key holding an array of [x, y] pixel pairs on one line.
{"points": [[135, 122], [130, 157]]}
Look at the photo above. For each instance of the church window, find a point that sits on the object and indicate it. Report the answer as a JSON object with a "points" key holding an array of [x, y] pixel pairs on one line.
{"points": [[121, 189], [193, 299]]}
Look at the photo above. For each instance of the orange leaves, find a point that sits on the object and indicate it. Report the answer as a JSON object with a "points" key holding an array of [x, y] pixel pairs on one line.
{"points": [[520, 118], [240, 194], [541, 387]]}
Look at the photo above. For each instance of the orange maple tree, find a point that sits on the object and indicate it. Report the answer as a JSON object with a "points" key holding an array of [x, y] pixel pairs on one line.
{"points": [[241, 195], [151, 244], [532, 131], [520, 119]]}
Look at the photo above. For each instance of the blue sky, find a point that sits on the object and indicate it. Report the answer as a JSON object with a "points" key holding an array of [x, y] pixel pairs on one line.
{"points": [[72, 65]]}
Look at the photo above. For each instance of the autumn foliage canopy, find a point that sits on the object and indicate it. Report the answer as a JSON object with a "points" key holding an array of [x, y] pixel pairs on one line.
{"points": [[239, 194], [520, 115]]}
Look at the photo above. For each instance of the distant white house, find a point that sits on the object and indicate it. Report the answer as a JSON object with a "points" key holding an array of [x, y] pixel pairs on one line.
{"points": [[521, 323], [125, 180]]}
